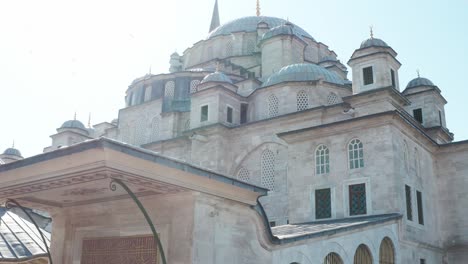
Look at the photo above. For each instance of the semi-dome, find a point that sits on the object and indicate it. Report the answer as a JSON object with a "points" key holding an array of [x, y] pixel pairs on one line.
{"points": [[12, 152], [73, 124], [419, 82], [249, 24], [303, 72], [286, 29], [373, 42], [216, 77]]}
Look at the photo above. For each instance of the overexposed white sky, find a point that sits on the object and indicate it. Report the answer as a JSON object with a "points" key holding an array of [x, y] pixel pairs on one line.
{"points": [[58, 57]]}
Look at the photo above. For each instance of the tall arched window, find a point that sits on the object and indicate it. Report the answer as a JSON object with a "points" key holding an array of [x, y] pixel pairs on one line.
{"points": [[362, 255], [405, 156], [169, 89], [333, 258], [268, 169], [193, 85], [155, 129], [243, 174], [386, 252], [273, 105], [355, 154], [417, 165], [322, 160], [302, 100], [332, 99]]}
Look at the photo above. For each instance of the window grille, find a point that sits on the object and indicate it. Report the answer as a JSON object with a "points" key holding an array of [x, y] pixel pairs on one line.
{"points": [[409, 209], [243, 174], [332, 99], [332, 258], [229, 115], [302, 100], [169, 89], [322, 203], [322, 160], [193, 85], [229, 49], [362, 255], [268, 169], [273, 105], [417, 114], [368, 75], [250, 48], [155, 129], [392, 75], [357, 199], [420, 207], [386, 252], [356, 154]]}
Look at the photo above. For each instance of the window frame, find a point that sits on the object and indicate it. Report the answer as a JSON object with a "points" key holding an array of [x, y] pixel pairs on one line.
{"points": [[302, 100], [409, 203], [346, 202], [207, 113], [420, 205], [231, 117], [326, 158], [372, 81], [393, 78], [361, 164], [332, 202], [421, 115]]}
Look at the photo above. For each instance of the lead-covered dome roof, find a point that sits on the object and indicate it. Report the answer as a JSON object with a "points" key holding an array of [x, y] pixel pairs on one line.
{"points": [[12, 152], [374, 42], [249, 24], [216, 77], [73, 124], [285, 29], [420, 81], [303, 72]]}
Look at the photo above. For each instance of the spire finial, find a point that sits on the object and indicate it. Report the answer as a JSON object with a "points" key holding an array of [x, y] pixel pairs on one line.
{"points": [[13, 145], [258, 7], [89, 120], [215, 17], [371, 31], [74, 117], [417, 71]]}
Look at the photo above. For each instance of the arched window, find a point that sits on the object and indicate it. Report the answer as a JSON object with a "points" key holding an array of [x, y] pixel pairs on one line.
{"points": [[243, 174], [155, 129], [355, 154], [169, 89], [332, 258], [273, 105], [332, 99], [405, 156], [386, 252], [417, 165], [322, 160], [193, 85], [362, 255], [268, 169], [302, 100], [229, 49]]}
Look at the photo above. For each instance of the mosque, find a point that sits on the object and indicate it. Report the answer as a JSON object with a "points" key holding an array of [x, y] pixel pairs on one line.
{"points": [[257, 147]]}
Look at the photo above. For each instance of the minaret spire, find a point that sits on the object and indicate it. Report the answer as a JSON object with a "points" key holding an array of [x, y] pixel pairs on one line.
{"points": [[258, 7], [215, 17]]}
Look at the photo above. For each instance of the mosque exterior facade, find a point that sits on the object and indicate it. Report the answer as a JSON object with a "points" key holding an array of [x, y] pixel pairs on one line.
{"points": [[359, 170]]}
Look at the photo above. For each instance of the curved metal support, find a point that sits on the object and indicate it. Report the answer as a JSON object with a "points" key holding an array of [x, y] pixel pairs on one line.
{"points": [[8, 205], [113, 187]]}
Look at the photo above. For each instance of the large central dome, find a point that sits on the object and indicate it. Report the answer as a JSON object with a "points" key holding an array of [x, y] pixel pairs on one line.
{"points": [[249, 24]]}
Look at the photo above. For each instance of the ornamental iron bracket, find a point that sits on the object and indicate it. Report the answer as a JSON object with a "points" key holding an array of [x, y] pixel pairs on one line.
{"points": [[157, 241], [10, 203]]}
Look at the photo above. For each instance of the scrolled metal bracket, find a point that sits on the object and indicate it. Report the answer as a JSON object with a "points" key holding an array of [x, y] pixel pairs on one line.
{"points": [[113, 187], [10, 203]]}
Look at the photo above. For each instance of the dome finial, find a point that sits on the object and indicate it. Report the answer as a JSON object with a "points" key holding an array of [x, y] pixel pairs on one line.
{"points": [[258, 7], [417, 71], [89, 120], [13, 145], [74, 117], [371, 31]]}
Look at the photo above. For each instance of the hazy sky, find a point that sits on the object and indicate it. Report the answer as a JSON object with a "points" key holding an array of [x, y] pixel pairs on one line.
{"points": [[58, 57]]}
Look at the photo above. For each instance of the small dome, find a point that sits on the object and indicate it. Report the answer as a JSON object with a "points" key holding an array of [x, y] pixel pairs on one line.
{"points": [[12, 152], [373, 42], [419, 82], [328, 58], [73, 124], [303, 72], [286, 29], [216, 77]]}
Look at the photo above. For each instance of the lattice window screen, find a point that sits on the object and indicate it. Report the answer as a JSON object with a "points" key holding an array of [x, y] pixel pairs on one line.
{"points": [[250, 47], [193, 85], [268, 169], [302, 100], [332, 99], [243, 175], [357, 199], [273, 105], [169, 89], [155, 129], [229, 49]]}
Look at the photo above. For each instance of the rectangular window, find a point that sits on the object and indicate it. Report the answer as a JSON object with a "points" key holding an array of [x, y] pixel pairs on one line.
{"points": [[409, 210], [392, 73], [229, 115], [204, 113], [243, 114], [368, 75], [420, 208], [272, 223], [357, 199], [417, 113], [322, 203], [422, 261], [440, 118]]}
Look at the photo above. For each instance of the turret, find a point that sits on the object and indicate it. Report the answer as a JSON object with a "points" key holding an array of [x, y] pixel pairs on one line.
{"points": [[10, 155], [175, 62]]}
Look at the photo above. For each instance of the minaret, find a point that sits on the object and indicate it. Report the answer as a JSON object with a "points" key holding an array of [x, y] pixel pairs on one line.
{"points": [[215, 18]]}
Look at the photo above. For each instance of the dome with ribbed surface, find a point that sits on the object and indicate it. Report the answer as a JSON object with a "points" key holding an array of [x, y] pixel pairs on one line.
{"points": [[419, 82], [12, 152], [216, 77], [374, 42], [73, 124], [249, 24], [286, 29], [303, 72]]}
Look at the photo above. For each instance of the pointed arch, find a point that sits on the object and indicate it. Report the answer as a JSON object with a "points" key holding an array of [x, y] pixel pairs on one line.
{"points": [[333, 258], [387, 251], [362, 255], [243, 174], [268, 169]]}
